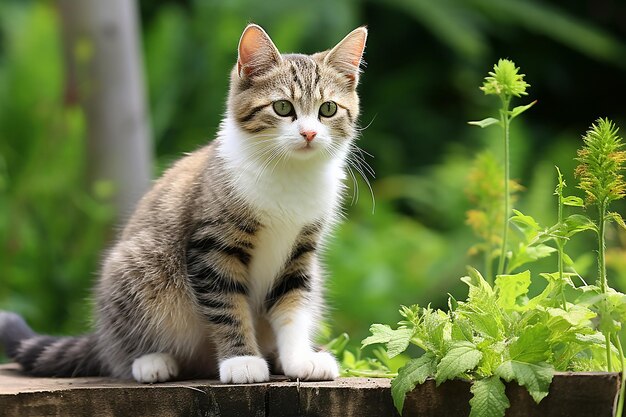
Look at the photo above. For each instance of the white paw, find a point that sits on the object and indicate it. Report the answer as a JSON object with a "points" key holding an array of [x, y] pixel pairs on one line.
{"points": [[311, 366], [155, 367], [244, 370]]}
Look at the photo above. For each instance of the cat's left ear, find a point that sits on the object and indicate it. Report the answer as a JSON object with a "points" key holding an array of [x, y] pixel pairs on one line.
{"points": [[347, 55], [257, 52]]}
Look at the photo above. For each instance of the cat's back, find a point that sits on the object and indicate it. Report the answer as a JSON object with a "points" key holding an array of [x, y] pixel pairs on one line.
{"points": [[173, 197]]}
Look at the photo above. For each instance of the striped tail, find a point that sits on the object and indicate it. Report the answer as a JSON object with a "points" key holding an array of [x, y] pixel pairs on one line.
{"points": [[47, 355]]}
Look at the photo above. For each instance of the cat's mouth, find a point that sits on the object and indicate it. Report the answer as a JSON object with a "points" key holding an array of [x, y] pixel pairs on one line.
{"points": [[307, 149]]}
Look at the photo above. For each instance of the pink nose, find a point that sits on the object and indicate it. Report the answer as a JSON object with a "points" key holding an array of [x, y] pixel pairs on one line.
{"points": [[308, 135]]}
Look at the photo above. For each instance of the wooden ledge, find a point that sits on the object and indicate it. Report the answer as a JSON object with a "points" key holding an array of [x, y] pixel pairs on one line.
{"points": [[572, 395], [23, 396]]}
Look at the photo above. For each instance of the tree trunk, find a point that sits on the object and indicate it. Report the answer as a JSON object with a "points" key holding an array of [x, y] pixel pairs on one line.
{"points": [[105, 75]]}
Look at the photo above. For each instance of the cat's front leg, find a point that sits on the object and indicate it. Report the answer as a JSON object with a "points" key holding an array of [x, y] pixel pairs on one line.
{"points": [[222, 297], [240, 361], [293, 312], [298, 359]]}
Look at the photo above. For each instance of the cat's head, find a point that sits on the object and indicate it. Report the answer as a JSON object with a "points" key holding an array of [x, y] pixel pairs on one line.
{"points": [[301, 106]]}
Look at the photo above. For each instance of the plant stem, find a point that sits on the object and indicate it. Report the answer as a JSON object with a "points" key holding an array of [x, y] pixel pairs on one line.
{"points": [[504, 117], [560, 245], [602, 272], [601, 247], [622, 390]]}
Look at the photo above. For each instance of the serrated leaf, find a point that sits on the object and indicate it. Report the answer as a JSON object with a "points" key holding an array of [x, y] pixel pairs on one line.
{"points": [[434, 329], [573, 201], [462, 330], [485, 322], [540, 251], [536, 377], [617, 218], [479, 289], [381, 333], [526, 254], [481, 308], [485, 122], [576, 315], [528, 224], [532, 345], [462, 356], [396, 340], [413, 373], [510, 287], [617, 305], [489, 398], [520, 109], [577, 223]]}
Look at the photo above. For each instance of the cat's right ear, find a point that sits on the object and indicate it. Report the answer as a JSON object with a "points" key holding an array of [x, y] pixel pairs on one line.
{"points": [[257, 52]]}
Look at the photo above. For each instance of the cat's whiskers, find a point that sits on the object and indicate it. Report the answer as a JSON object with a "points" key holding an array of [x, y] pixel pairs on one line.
{"points": [[252, 159], [356, 160]]}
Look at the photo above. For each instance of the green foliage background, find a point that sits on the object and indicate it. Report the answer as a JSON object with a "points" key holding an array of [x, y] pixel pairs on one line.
{"points": [[425, 62]]}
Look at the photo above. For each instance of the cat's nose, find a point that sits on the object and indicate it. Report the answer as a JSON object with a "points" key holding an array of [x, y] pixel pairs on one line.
{"points": [[309, 135]]}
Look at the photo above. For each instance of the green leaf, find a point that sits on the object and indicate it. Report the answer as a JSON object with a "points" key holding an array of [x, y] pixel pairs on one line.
{"points": [[577, 223], [460, 358], [510, 287], [617, 218], [532, 345], [526, 254], [489, 398], [526, 223], [576, 315], [536, 377], [397, 340], [413, 373], [338, 344], [520, 109], [481, 308], [485, 122], [435, 327], [479, 289], [573, 201]]}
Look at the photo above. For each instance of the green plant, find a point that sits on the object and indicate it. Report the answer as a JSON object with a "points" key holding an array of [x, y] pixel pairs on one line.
{"points": [[601, 161], [506, 83], [500, 332]]}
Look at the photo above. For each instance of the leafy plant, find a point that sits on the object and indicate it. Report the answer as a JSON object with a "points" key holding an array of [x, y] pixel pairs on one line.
{"points": [[500, 332], [352, 362], [506, 83]]}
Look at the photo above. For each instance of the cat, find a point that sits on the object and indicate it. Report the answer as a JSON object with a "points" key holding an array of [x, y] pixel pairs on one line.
{"points": [[217, 270]]}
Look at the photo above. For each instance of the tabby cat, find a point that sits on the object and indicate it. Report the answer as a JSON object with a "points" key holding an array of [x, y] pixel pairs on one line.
{"points": [[217, 271]]}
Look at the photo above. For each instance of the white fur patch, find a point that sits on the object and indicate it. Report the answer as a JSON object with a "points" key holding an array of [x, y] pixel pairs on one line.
{"points": [[298, 360], [311, 366], [287, 193], [244, 370], [155, 367]]}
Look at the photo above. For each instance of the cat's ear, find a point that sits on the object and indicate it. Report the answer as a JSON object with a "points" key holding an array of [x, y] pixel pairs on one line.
{"points": [[347, 55], [257, 52]]}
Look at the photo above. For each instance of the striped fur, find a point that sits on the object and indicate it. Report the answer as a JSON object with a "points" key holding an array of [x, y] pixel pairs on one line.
{"points": [[218, 268]]}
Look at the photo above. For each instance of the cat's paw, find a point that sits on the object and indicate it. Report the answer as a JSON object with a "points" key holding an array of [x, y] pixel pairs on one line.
{"points": [[244, 370], [311, 366], [155, 367]]}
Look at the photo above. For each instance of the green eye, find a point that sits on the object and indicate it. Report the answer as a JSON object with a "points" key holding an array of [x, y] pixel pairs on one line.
{"points": [[283, 108], [328, 109]]}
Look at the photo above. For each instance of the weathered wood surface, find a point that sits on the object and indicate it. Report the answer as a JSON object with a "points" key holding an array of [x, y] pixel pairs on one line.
{"points": [[571, 395], [21, 396]]}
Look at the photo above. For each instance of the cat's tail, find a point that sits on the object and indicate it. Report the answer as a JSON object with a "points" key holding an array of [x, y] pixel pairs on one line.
{"points": [[47, 355]]}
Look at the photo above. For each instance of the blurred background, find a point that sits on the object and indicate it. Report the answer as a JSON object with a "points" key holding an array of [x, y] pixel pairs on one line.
{"points": [[60, 208]]}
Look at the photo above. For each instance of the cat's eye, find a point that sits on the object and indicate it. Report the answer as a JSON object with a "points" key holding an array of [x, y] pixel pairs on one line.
{"points": [[328, 109], [283, 108]]}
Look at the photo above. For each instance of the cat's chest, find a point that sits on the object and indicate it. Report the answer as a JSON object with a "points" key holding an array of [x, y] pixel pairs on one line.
{"points": [[274, 245], [292, 196]]}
